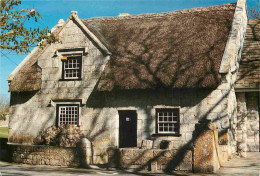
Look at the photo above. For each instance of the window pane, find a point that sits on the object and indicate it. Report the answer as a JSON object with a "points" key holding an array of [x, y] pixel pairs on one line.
{"points": [[72, 67], [167, 120], [68, 115]]}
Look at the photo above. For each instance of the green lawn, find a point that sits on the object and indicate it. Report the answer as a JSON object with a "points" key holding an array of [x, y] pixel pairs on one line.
{"points": [[3, 132]]}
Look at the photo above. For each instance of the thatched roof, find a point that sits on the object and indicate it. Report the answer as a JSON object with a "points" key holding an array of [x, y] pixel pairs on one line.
{"points": [[249, 70], [180, 49], [28, 78]]}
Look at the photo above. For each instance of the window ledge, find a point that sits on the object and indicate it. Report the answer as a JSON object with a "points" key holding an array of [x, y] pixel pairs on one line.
{"points": [[80, 79], [165, 134]]}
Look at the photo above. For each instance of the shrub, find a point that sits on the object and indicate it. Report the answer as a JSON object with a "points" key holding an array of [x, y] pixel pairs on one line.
{"points": [[63, 136]]}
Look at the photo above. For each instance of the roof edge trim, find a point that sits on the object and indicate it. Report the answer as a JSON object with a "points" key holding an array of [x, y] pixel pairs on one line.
{"points": [[93, 37], [232, 53]]}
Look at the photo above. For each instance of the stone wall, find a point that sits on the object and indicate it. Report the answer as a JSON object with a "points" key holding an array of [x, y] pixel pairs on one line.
{"points": [[34, 111], [47, 155], [205, 157], [154, 159], [241, 124], [99, 118], [253, 121], [248, 124]]}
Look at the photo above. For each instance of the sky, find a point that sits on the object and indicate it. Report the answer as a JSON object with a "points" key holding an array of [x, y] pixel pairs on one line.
{"points": [[53, 10]]}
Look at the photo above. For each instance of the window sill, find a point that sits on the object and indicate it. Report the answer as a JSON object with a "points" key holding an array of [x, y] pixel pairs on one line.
{"points": [[80, 79], [165, 134]]}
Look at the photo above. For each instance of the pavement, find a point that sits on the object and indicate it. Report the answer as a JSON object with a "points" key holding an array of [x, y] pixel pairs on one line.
{"points": [[249, 166], [11, 169]]}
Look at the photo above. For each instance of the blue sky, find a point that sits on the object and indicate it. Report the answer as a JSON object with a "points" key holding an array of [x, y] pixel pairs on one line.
{"points": [[53, 10]]}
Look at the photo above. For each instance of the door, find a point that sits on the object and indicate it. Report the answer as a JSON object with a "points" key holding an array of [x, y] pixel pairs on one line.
{"points": [[127, 128]]}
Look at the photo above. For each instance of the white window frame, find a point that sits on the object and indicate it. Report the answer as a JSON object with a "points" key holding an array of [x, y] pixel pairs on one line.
{"points": [[73, 119], [60, 103], [78, 58], [174, 123], [71, 52]]}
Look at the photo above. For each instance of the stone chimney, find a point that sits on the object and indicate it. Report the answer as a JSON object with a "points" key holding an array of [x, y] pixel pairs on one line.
{"points": [[123, 14], [60, 23], [74, 13]]}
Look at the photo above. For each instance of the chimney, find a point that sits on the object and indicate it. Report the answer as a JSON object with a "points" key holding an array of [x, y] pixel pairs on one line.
{"points": [[74, 13], [60, 23], [123, 14]]}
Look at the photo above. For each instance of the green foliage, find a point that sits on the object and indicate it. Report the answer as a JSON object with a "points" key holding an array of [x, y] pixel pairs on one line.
{"points": [[14, 35]]}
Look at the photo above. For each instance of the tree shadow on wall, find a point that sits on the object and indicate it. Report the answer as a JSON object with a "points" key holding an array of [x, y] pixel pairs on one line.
{"points": [[146, 72]]}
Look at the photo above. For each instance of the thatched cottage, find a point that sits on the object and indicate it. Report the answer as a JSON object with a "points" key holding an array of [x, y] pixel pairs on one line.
{"points": [[131, 79]]}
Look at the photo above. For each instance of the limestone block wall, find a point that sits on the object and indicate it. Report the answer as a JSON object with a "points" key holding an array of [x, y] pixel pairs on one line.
{"points": [[229, 67], [248, 122], [31, 112], [99, 118], [242, 123], [154, 159], [47, 155], [101, 121], [253, 121]]}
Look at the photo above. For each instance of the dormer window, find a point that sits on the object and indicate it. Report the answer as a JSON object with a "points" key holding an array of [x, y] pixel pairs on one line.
{"points": [[71, 67]]}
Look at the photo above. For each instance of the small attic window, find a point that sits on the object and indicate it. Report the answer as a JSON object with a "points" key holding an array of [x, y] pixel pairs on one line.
{"points": [[71, 67], [71, 59]]}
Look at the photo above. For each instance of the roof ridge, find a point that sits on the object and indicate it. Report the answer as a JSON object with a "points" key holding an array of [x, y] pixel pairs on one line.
{"points": [[163, 14]]}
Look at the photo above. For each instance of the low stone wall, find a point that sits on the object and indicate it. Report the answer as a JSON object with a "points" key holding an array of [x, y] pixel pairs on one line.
{"points": [[154, 159], [47, 155]]}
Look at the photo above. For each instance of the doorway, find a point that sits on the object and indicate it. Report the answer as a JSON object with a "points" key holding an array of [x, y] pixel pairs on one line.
{"points": [[127, 128]]}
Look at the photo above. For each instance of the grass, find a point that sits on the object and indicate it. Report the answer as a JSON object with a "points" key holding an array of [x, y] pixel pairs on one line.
{"points": [[3, 132]]}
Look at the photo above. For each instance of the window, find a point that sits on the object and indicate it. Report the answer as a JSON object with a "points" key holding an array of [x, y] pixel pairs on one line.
{"points": [[68, 114], [72, 67], [167, 121]]}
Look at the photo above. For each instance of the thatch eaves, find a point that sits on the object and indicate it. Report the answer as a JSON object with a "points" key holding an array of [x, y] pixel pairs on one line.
{"points": [[27, 76], [28, 79]]}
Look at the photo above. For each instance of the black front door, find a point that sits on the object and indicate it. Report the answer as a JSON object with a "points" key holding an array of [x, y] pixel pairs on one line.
{"points": [[127, 128]]}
